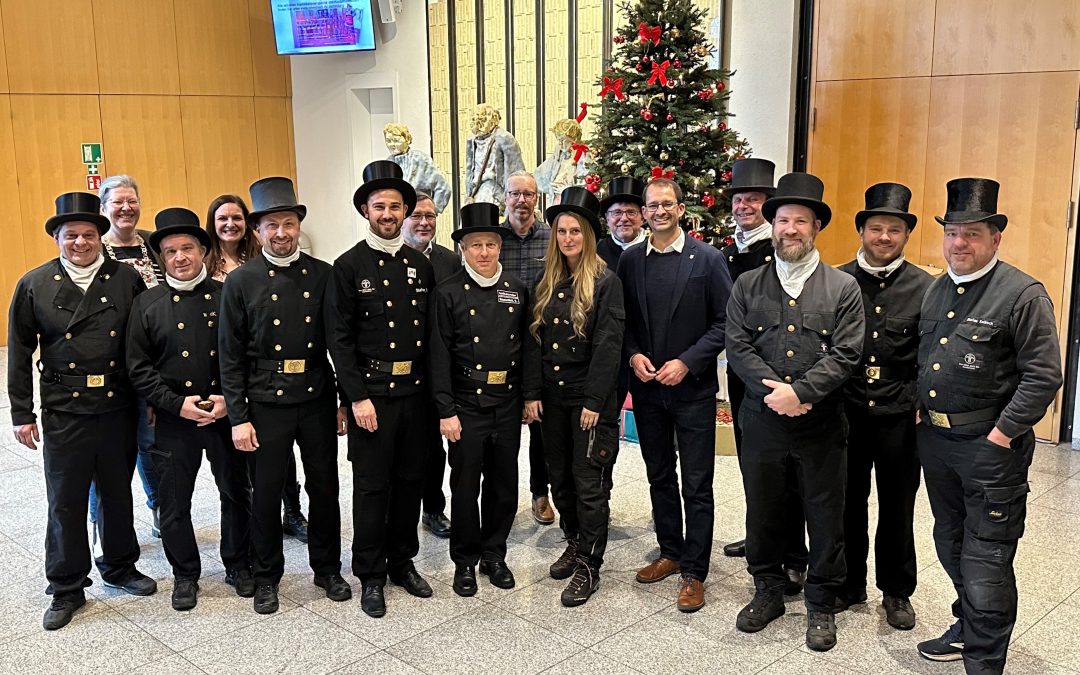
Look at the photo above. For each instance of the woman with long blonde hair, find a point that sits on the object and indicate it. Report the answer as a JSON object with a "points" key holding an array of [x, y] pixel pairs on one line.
{"points": [[571, 363]]}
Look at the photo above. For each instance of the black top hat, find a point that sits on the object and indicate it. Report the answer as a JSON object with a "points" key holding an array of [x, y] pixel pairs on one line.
{"points": [[751, 175], [798, 188], [176, 221], [575, 199], [271, 195], [623, 190], [480, 217], [384, 175], [973, 200], [887, 199], [77, 206]]}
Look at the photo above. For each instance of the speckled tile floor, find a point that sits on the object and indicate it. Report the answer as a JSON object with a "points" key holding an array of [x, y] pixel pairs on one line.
{"points": [[625, 628]]}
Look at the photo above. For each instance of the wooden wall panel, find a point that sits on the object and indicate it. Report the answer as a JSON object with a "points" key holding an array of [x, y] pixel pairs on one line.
{"points": [[136, 47], [268, 68], [1006, 36], [273, 128], [494, 22], [50, 46], [219, 145], [16, 229], [439, 69], [143, 138], [48, 131], [3, 59], [525, 86], [556, 70], [868, 131], [874, 38], [213, 40]]}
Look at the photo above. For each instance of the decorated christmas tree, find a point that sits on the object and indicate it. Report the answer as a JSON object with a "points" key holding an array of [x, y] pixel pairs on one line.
{"points": [[664, 111]]}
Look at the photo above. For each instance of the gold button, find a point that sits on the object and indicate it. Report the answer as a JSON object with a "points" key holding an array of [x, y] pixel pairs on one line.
{"points": [[272, 272], [303, 271], [873, 359], [933, 394], [731, 258], [112, 364], [184, 353], [936, 366], [176, 298], [768, 258], [71, 365], [472, 312], [944, 341], [479, 366], [476, 339], [881, 285], [311, 389], [307, 294], [418, 382], [277, 348], [510, 309], [790, 353], [467, 286], [112, 333], [479, 391], [760, 328], [57, 277], [187, 383], [414, 302], [110, 394], [418, 343], [877, 310], [950, 315], [974, 337], [385, 282], [207, 296], [511, 336], [416, 322], [562, 295], [391, 385], [280, 392], [561, 383], [791, 303], [307, 319], [556, 369], [67, 336], [74, 394], [869, 380], [871, 403], [311, 345], [277, 322], [556, 320], [389, 303], [273, 296], [393, 345], [381, 263], [824, 332], [791, 328], [787, 378], [874, 335], [960, 290], [213, 352], [391, 324], [180, 325], [555, 345]]}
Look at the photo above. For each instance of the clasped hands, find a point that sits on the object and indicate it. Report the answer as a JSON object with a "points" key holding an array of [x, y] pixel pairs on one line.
{"points": [[784, 401]]}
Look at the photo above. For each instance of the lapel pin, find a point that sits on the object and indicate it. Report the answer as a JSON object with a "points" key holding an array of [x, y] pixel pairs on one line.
{"points": [[104, 299]]}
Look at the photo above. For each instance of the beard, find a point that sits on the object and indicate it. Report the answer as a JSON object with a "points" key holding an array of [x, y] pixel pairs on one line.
{"points": [[792, 254]]}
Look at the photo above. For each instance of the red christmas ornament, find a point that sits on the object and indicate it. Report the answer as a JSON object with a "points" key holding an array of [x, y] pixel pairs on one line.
{"points": [[705, 94], [677, 63], [658, 172], [671, 84], [670, 117], [704, 129], [720, 86], [638, 67], [618, 39], [729, 240], [708, 201], [647, 115], [680, 162], [726, 175], [592, 182], [694, 234], [722, 127]]}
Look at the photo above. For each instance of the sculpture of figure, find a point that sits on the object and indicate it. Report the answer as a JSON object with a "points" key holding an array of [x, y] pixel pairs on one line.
{"points": [[560, 170], [418, 168], [491, 155]]}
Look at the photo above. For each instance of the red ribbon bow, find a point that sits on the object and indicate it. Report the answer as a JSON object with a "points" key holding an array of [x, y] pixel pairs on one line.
{"points": [[659, 72], [579, 150], [649, 34], [584, 111], [613, 87], [658, 172]]}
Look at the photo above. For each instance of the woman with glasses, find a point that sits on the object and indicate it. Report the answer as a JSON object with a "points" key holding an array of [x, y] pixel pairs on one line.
{"points": [[571, 365]]}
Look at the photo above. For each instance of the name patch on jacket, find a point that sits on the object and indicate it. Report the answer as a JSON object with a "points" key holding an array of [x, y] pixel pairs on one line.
{"points": [[509, 297]]}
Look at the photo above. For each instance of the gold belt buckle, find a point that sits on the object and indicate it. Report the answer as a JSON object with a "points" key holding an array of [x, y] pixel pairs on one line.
{"points": [[939, 419], [402, 368], [873, 372], [294, 366], [95, 380], [496, 377]]}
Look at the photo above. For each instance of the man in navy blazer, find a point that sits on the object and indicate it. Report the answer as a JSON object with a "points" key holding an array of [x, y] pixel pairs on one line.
{"points": [[676, 291]]}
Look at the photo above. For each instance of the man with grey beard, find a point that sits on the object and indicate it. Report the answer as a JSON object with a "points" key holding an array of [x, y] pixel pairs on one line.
{"points": [[794, 336]]}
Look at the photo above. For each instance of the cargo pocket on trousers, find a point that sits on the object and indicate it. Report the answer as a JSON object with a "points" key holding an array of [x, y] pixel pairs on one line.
{"points": [[1004, 511], [603, 445]]}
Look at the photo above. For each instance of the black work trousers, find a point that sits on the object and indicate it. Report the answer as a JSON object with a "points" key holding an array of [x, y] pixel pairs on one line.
{"points": [[538, 472], [886, 445], [483, 466], [795, 553], [79, 449], [388, 481], [810, 452], [178, 453], [978, 494], [312, 426], [580, 486], [434, 501]]}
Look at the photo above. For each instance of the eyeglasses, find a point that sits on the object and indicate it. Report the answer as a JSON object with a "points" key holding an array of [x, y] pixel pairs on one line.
{"points": [[422, 217], [655, 206], [515, 194], [616, 214], [120, 203]]}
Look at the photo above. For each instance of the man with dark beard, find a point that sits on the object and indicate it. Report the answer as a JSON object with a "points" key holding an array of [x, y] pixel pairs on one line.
{"points": [[794, 336], [880, 405]]}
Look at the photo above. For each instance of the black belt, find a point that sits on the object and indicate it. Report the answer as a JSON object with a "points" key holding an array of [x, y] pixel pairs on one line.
{"points": [[90, 381], [950, 420], [288, 366], [389, 367], [489, 376], [888, 373]]}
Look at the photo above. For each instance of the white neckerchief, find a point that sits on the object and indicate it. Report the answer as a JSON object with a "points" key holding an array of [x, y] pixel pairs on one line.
{"points": [[82, 276], [484, 282], [388, 246], [793, 275], [637, 240], [860, 257], [977, 274], [676, 246], [743, 240], [178, 285], [282, 262]]}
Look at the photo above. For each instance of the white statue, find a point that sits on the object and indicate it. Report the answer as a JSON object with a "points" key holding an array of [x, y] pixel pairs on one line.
{"points": [[567, 163], [419, 170], [491, 155]]}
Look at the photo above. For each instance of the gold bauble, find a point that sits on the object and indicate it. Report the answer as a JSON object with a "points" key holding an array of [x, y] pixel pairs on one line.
{"points": [[675, 33], [664, 155], [625, 168]]}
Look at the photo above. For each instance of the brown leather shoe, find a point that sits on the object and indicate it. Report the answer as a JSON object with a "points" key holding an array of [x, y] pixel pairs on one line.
{"points": [[657, 570], [691, 594], [542, 511]]}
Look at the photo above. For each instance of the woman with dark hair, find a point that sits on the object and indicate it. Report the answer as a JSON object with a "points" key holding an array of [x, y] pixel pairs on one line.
{"points": [[571, 364], [232, 242]]}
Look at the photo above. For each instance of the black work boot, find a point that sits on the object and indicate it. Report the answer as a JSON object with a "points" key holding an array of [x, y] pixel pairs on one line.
{"points": [[60, 612], [567, 562], [767, 605], [293, 522], [820, 631], [582, 585]]}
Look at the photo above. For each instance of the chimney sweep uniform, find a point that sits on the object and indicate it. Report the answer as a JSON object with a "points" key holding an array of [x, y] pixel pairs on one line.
{"points": [[172, 347], [568, 372], [476, 362], [87, 404], [988, 358], [378, 339], [880, 406], [275, 375], [811, 338]]}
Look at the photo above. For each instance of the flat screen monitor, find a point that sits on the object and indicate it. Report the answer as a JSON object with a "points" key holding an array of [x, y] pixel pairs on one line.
{"points": [[321, 26]]}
